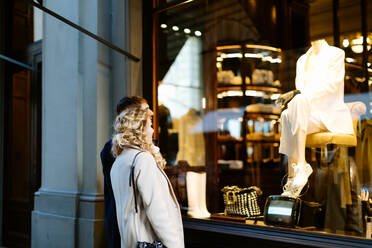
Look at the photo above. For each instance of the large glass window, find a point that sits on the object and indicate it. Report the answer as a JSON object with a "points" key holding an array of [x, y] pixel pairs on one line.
{"points": [[221, 67]]}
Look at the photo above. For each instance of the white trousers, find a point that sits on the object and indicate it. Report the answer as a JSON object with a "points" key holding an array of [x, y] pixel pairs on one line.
{"points": [[298, 116]]}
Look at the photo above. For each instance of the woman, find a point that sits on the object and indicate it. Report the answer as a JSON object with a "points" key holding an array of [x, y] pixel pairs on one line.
{"points": [[158, 216]]}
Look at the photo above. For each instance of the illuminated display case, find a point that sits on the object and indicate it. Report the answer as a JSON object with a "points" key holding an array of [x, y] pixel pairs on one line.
{"points": [[248, 120]]}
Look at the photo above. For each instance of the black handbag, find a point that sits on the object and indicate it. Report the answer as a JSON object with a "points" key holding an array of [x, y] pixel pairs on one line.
{"points": [[241, 201], [155, 244], [141, 244]]}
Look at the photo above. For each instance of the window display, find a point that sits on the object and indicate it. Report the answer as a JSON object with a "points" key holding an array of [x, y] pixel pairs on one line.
{"points": [[253, 104]]}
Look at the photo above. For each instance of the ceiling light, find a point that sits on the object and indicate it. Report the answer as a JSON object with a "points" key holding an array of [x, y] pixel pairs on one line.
{"points": [[198, 33], [350, 60], [163, 25], [187, 31], [175, 28]]}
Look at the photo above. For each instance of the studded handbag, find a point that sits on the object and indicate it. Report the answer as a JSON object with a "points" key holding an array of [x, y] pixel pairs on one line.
{"points": [[241, 201]]}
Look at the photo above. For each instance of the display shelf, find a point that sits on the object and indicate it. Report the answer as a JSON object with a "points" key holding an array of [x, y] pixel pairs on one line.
{"points": [[247, 79]]}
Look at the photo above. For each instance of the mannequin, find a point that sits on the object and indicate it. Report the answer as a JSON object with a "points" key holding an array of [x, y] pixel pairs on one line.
{"points": [[319, 107]]}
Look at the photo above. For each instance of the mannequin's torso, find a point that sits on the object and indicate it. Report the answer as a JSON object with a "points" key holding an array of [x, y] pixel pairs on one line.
{"points": [[313, 57]]}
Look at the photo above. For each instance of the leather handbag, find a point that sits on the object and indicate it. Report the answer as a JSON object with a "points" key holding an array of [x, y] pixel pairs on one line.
{"points": [[241, 201], [140, 244]]}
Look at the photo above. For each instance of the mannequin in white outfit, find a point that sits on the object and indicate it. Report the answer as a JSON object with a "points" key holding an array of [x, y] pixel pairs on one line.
{"points": [[320, 106]]}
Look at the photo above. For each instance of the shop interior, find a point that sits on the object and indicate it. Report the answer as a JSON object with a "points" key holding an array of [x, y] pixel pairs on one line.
{"points": [[220, 66]]}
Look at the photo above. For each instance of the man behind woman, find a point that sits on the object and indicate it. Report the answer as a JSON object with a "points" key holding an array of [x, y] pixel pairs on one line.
{"points": [[158, 216]]}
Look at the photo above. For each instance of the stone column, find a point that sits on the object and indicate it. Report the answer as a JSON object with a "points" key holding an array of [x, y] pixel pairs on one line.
{"points": [[55, 215], [81, 85]]}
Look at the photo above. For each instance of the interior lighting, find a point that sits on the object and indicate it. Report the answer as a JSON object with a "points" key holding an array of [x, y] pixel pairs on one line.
{"points": [[197, 33], [345, 43], [357, 44], [219, 59], [252, 55], [271, 59], [369, 64], [204, 104], [175, 28], [234, 55], [163, 26], [276, 60], [229, 93], [350, 60], [187, 31], [254, 93]]}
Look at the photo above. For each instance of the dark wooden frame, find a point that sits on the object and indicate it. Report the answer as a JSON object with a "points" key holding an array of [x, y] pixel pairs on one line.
{"points": [[219, 233], [29, 53]]}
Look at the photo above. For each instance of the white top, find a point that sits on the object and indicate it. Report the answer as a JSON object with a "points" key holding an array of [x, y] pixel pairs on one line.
{"points": [[159, 216], [320, 77]]}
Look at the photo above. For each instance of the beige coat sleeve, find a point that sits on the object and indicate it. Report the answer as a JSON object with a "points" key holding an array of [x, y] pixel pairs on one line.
{"points": [[161, 210]]}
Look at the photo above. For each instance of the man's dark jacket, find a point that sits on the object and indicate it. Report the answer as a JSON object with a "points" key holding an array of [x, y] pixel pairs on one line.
{"points": [[112, 229]]}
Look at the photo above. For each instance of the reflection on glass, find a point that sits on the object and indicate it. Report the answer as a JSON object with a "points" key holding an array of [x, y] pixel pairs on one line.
{"points": [[179, 95]]}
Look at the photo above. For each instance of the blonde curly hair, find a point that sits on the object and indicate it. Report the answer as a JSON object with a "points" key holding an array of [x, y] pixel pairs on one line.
{"points": [[129, 128]]}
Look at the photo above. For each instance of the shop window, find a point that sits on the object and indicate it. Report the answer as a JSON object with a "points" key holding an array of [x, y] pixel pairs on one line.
{"points": [[221, 67]]}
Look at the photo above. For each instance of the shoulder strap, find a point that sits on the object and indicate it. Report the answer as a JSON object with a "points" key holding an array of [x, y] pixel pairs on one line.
{"points": [[131, 181]]}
